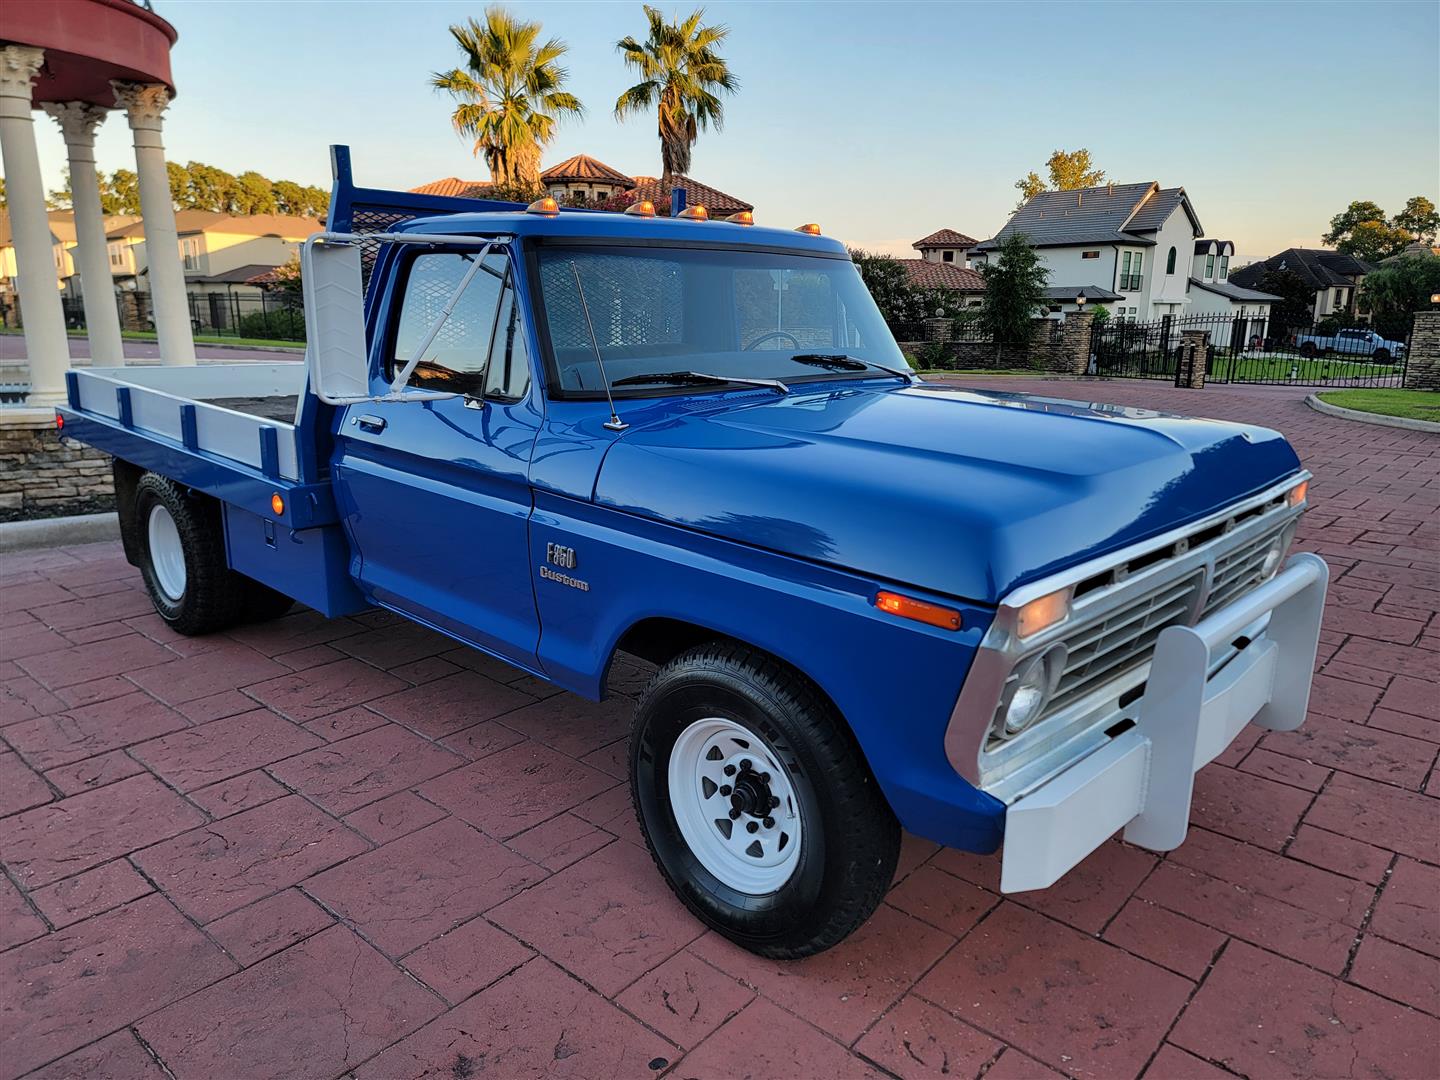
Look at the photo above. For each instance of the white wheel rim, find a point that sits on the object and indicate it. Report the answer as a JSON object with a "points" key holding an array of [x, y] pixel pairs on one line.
{"points": [[703, 797], [167, 556]]}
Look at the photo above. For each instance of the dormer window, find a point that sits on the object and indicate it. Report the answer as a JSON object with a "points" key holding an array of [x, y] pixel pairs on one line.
{"points": [[1224, 267], [1209, 267], [947, 256], [1170, 262]]}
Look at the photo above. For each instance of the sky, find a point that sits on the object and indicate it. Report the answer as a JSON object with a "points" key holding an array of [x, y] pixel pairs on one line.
{"points": [[881, 121]]}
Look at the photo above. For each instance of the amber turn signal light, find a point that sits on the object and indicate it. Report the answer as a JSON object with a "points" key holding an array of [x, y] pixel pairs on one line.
{"points": [[547, 206], [907, 607], [1043, 612], [696, 213], [643, 208], [1296, 495], [277, 503]]}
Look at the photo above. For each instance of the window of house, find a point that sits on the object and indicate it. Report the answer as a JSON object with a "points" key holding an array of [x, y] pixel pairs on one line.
{"points": [[947, 256], [456, 358], [117, 254], [1209, 267], [1089, 254], [1170, 262], [190, 253], [1224, 267]]}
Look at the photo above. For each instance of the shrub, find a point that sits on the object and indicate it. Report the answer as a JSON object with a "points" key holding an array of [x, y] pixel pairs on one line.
{"points": [[284, 324]]}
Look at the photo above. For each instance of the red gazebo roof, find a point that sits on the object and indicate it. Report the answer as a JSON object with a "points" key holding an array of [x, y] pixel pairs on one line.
{"points": [[89, 42]]}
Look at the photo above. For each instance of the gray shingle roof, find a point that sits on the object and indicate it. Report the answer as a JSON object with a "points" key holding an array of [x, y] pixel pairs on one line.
{"points": [[1094, 294], [1089, 216], [1157, 209], [1234, 292], [1317, 267]]}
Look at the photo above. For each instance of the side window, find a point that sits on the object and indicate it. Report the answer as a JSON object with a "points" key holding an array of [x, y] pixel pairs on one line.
{"points": [[508, 374], [1170, 262], [1209, 267], [455, 358]]}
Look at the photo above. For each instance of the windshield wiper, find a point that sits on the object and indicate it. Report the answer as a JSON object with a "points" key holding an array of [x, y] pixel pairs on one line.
{"points": [[682, 378], [845, 362]]}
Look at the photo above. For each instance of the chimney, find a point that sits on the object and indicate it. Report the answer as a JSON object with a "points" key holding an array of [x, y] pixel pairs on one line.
{"points": [[1110, 188], [1079, 195]]}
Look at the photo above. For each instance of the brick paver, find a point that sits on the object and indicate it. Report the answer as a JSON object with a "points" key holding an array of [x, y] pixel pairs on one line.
{"points": [[332, 848]]}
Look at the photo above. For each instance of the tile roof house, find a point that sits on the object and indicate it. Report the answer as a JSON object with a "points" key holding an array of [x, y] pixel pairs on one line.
{"points": [[1134, 241], [582, 178], [714, 200], [945, 246], [943, 276], [455, 188], [1335, 277]]}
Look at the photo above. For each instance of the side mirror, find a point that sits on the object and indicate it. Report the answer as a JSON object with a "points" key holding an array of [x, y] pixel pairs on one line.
{"points": [[335, 347]]}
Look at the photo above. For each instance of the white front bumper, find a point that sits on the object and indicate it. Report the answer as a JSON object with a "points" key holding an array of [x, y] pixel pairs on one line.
{"points": [[1142, 779]]}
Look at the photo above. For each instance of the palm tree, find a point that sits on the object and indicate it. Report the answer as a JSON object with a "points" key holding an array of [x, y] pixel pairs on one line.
{"points": [[680, 75], [510, 94]]}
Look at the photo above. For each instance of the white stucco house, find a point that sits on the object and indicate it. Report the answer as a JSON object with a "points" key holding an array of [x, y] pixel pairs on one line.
{"points": [[1131, 247], [1211, 291]]}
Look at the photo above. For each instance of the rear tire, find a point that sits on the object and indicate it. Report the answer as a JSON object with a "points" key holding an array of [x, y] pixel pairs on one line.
{"points": [[1382, 355], [772, 742], [1307, 350], [182, 558]]}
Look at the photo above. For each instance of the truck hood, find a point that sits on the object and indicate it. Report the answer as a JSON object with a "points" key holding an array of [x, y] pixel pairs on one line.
{"points": [[964, 493]]}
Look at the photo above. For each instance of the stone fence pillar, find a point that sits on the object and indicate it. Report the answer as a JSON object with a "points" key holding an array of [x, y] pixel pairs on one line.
{"points": [[937, 329], [1194, 357], [1075, 342], [1422, 366]]}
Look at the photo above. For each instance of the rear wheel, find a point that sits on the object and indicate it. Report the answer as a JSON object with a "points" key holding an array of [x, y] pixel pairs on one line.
{"points": [[757, 806], [1381, 354], [1307, 350], [182, 558]]}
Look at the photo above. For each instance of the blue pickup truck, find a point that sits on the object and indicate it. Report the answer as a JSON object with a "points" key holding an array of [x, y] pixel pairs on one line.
{"points": [[997, 621]]}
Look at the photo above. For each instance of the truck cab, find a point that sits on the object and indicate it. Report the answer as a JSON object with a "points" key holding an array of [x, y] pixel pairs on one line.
{"points": [[998, 621]]}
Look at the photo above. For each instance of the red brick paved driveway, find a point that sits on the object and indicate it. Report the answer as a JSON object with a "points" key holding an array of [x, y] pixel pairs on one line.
{"points": [[311, 849]]}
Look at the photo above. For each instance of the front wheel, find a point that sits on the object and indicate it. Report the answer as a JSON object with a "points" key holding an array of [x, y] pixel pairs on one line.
{"points": [[1307, 350], [756, 804], [1381, 354]]}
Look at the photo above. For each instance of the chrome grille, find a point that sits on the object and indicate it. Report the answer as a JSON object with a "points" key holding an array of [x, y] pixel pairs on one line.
{"points": [[1240, 570], [1124, 639]]}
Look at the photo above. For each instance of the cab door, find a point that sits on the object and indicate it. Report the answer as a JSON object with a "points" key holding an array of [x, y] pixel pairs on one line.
{"points": [[435, 493]]}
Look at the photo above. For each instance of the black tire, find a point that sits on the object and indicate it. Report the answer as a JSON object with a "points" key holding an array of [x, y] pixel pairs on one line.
{"points": [[1307, 350], [1382, 355], [214, 596], [850, 838]]}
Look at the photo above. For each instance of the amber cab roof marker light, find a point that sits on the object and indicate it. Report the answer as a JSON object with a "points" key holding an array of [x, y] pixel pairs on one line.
{"points": [[546, 207], [744, 217], [810, 229], [695, 213], [907, 607], [643, 208]]}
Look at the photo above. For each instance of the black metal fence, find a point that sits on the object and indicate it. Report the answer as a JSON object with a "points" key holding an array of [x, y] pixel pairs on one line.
{"points": [[272, 315], [1250, 349]]}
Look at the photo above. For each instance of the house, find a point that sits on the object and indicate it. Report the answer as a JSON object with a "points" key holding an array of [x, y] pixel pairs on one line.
{"points": [[1213, 293], [1126, 241], [220, 252], [584, 180], [946, 246], [1334, 277]]}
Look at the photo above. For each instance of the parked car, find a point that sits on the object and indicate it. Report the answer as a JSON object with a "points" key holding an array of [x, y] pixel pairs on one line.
{"points": [[873, 603], [1359, 341]]}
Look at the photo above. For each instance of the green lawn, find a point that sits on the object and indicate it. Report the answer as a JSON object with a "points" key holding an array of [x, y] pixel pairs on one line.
{"points": [[200, 339], [1297, 369], [1410, 404]]}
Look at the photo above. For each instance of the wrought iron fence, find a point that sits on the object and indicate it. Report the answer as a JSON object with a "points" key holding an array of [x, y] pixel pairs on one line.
{"points": [[1252, 349], [274, 315]]}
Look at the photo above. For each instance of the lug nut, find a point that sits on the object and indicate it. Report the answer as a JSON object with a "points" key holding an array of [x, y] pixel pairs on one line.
{"points": [[752, 826], [746, 765], [724, 789], [729, 770], [769, 823], [774, 800], [734, 815]]}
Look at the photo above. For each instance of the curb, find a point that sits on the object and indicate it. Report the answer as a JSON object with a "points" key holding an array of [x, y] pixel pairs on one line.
{"points": [[58, 531], [1370, 418], [298, 347]]}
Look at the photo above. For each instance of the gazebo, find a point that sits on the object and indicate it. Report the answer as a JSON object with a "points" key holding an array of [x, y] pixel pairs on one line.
{"points": [[77, 61]]}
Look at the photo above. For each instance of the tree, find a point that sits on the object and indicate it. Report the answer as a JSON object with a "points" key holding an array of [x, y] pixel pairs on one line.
{"points": [[254, 194], [1419, 219], [1395, 291], [4, 202], [1014, 290], [120, 194], [1296, 307], [510, 93], [1069, 170], [60, 198], [1363, 230], [681, 77], [889, 284], [179, 183]]}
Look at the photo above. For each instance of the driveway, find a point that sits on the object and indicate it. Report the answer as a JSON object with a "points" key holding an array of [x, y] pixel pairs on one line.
{"points": [[321, 848]]}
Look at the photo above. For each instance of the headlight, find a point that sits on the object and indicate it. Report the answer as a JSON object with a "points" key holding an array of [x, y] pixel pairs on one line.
{"points": [[1028, 691], [1273, 557]]}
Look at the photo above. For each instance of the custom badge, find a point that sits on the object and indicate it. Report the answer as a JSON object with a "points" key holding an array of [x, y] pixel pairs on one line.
{"points": [[563, 557]]}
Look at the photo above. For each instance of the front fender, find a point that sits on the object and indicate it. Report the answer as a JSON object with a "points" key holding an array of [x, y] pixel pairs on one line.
{"points": [[895, 681]]}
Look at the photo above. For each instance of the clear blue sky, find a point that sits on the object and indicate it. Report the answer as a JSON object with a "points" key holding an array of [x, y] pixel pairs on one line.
{"points": [[881, 121]]}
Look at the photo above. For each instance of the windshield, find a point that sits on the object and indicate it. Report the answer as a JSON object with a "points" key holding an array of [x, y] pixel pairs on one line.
{"points": [[740, 314]]}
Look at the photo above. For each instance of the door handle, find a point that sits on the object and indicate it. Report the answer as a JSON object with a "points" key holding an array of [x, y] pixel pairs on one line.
{"points": [[370, 423]]}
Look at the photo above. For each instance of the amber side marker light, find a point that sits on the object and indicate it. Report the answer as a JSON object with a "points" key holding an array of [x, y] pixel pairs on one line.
{"points": [[1296, 495], [546, 206], [643, 208], [695, 213], [277, 503], [907, 607], [1043, 612], [810, 229]]}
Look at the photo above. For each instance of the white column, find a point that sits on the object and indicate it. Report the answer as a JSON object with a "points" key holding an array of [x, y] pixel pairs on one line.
{"points": [[145, 103], [78, 120], [46, 345]]}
